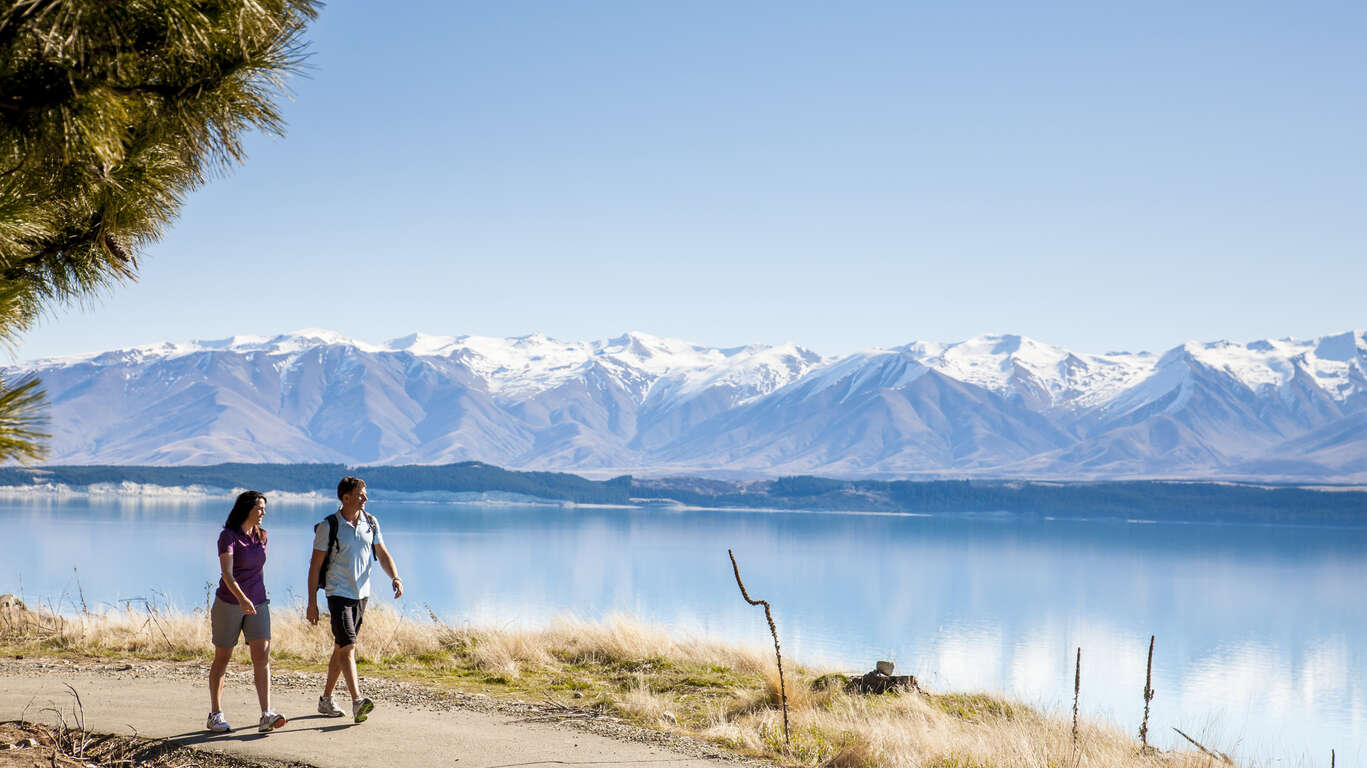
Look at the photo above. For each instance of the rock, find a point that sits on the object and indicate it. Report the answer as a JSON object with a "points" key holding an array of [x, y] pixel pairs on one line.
{"points": [[877, 682], [26, 744], [578, 695], [884, 667], [10, 601], [669, 716]]}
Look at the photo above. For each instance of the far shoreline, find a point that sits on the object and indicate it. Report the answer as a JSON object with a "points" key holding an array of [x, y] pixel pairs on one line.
{"points": [[1079, 502], [1158, 501]]}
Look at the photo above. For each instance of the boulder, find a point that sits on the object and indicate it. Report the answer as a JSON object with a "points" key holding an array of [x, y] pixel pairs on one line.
{"points": [[877, 682]]}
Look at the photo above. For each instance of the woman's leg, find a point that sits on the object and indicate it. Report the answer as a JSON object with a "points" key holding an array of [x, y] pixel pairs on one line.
{"points": [[216, 672], [261, 670]]}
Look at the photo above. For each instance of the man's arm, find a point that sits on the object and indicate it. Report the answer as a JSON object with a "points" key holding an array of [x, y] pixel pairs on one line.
{"points": [[315, 566], [387, 563]]}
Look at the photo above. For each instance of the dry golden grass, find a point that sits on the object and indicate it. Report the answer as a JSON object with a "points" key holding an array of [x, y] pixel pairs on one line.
{"points": [[723, 693]]}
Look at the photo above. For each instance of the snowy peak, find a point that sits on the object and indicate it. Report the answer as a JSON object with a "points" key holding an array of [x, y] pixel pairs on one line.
{"points": [[522, 367], [1044, 374], [1336, 363], [1347, 347], [422, 344], [291, 343]]}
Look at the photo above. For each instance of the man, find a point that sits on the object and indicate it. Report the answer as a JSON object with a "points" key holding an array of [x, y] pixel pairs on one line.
{"points": [[347, 584]]}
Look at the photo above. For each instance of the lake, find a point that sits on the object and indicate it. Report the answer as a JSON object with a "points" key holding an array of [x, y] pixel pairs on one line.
{"points": [[1260, 629]]}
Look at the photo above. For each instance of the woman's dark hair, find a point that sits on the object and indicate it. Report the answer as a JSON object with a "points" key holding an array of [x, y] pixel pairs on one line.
{"points": [[241, 508]]}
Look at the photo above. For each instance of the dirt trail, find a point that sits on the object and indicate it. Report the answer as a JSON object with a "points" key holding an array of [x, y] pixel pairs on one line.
{"points": [[403, 735]]}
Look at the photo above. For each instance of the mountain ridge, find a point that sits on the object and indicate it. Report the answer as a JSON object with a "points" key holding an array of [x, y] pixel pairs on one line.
{"points": [[996, 405]]}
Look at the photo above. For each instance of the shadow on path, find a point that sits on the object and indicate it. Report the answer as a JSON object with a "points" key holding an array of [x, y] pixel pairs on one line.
{"points": [[199, 737]]}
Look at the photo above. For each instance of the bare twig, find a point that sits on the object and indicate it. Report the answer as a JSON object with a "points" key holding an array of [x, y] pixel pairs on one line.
{"points": [[85, 610], [152, 617], [78, 714], [1213, 753], [557, 705], [556, 717], [773, 630], [1148, 697]]}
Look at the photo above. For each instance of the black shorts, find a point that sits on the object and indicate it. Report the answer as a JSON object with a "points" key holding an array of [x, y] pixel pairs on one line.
{"points": [[346, 618]]}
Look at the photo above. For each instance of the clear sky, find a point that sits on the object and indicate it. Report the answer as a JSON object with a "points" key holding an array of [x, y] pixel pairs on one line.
{"points": [[1095, 175]]}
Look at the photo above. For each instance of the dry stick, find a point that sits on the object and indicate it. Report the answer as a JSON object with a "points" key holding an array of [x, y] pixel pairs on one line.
{"points": [[78, 714], [782, 691], [85, 611], [1202, 747], [1077, 688], [1331, 758], [1148, 697], [152, 617]]}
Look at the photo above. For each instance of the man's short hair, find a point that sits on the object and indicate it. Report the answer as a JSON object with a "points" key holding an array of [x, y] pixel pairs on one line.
{"points": [[349, 484]]}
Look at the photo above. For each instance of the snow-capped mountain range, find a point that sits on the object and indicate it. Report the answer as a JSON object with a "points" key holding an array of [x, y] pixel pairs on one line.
{"points": [[995, 405]]}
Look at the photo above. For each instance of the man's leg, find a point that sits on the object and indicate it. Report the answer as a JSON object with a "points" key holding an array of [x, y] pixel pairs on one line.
{"points": [[346, 619], [348, 665], [334, 670], [343, 665]]}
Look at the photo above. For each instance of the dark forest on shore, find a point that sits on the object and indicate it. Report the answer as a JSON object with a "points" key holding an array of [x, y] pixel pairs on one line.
{"points": [[1145, 499]]}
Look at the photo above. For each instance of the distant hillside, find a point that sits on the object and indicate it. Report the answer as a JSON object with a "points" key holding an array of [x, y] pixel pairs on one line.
{"points": [[1144, 500], [993, 406], [466, 477]]}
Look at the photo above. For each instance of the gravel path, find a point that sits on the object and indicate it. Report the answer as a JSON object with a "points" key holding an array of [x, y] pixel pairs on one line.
{"points": [[412, 725]]}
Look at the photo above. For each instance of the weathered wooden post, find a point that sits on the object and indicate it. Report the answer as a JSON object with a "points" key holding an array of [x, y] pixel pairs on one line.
{"points": [[782, 691]]}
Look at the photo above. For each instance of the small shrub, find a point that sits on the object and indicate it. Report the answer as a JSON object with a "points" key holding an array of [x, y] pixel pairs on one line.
{"points": [[973, 706]]}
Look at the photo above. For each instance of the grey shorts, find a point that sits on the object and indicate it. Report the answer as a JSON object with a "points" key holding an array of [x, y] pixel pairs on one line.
{"points": [[228, 622]]}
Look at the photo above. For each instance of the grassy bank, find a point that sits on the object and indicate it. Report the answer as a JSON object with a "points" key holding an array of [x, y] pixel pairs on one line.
{"points": [[718, 692]]}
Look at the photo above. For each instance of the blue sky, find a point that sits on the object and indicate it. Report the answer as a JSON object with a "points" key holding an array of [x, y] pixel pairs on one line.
{"points": [[1096, 175]]}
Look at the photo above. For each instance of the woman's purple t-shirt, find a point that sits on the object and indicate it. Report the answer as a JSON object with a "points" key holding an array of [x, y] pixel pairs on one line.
{"points": [[249, 557]]}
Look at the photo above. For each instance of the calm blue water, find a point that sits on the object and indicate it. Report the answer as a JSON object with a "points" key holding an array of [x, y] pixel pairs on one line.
{"points": [[1262, 631]]}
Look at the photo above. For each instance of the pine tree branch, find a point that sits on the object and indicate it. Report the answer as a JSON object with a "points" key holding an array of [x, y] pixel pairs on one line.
{"points": [[22, 421], [109, 114]]}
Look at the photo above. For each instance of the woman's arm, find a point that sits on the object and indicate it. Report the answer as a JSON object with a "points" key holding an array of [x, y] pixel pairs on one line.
{"points": [[225, 562]]}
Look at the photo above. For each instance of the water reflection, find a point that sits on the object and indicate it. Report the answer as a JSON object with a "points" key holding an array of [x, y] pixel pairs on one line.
{"points": [[1259, 629]]}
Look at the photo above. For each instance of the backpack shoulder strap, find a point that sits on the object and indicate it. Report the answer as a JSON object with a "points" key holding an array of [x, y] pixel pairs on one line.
{"points": [[374, 534], [332, 531]]}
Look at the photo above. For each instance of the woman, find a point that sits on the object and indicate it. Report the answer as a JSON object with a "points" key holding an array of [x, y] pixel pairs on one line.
{"points": [[241, 608]]}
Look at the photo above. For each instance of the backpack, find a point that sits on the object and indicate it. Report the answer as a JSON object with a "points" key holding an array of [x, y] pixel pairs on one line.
{"points": [[331, 520]]}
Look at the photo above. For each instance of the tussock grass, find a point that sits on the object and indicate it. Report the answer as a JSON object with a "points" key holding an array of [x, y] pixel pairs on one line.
{"points": [[724, 693]]}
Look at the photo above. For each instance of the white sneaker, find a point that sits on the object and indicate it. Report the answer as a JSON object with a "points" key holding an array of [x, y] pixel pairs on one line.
{"points": [[328, 706], [270, 721], [216, 723], [360, 709]]}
